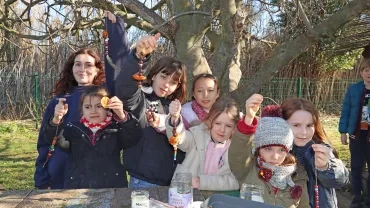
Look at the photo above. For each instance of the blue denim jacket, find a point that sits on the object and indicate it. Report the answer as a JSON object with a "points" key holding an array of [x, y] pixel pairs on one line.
{"points": [[328, 180]]}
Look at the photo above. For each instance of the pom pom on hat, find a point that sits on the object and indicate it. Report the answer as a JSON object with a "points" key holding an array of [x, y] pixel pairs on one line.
{"points": [[271, 111]]}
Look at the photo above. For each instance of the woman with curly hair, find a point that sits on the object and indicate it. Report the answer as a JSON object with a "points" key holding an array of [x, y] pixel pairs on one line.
{"points": [[83, 68]]}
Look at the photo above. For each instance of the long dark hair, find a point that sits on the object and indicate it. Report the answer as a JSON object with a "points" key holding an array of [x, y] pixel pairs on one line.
{"points": [[170, 66], [66, 80]]}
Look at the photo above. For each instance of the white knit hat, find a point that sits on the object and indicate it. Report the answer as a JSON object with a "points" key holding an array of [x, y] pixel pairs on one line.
{"points": [[273, 131]]}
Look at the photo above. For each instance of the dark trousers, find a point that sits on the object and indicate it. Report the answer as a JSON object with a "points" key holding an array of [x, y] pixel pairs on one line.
{"points": [[360, 153]]}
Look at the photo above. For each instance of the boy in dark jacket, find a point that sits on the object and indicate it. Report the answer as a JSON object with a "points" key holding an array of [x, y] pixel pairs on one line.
{"points": [[95, 142], [354, 121]]}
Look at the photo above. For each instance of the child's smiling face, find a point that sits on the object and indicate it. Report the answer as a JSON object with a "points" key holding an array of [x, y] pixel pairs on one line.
{"points": [[302, 124], [92, 109], [222, 127]]}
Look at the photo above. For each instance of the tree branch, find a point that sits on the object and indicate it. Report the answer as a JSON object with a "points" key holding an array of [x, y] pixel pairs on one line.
{"points": [[305, 19], [153, 18], [158, 5], [52, 33], [131, 19], [285, 53]]}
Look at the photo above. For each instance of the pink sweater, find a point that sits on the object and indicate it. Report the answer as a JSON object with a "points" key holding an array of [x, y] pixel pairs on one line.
{"points": [[215, 155]]}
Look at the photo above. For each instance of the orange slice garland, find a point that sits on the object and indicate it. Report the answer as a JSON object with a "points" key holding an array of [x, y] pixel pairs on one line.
{"points": [[104, 102]]}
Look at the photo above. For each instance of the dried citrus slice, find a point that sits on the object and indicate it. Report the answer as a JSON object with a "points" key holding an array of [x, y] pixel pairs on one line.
{"points": [[104, 102]]}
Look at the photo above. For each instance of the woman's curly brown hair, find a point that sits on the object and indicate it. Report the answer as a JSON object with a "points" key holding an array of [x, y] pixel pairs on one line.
{"points": [[66, 80]]}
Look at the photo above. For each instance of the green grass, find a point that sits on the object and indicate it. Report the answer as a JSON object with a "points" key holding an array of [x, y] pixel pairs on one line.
{"points": [[331, 128], [18, 151], [17, 154]]}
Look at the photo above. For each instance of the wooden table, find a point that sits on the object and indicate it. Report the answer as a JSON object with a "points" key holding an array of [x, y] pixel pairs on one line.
{"points": [[92, 198]]}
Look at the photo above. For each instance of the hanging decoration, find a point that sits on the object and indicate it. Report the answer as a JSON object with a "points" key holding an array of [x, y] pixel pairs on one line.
{"points": [[215, 22]]}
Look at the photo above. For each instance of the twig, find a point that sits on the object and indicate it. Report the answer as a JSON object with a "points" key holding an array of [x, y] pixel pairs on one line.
{"points": [[306, 21]]}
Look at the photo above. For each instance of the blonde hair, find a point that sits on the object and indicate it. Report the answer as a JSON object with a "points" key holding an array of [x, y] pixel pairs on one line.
{"points": [[224, 104], [365, 64]]}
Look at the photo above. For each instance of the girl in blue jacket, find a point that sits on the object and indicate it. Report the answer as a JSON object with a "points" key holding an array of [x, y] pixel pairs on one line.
{"points": [[311, 149]]}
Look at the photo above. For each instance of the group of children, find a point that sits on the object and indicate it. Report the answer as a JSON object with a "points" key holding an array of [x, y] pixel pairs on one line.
{"points": [[286, 151]]}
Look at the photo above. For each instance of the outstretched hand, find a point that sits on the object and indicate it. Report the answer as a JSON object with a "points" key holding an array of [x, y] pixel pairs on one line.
{"points": [[175, 110], [153, 119], [116, 105], [252, 105], [60, 110], [111, 16], [146, 45], [322, 156]]}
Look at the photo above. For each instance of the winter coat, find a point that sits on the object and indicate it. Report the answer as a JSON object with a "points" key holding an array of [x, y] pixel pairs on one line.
{"points": [[195, 142], [99, 165]]}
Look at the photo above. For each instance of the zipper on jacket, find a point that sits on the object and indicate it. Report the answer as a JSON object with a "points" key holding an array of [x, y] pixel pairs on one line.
{"points": [[88, 135], [275, 190], [83, 133]]}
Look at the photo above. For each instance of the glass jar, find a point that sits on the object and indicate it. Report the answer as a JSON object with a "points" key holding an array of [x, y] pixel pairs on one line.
{"points": [[140, 199], [180, 193], [251, 192]]}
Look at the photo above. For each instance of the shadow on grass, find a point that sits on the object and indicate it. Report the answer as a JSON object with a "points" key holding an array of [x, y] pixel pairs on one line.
{"points": [[6, 145]]}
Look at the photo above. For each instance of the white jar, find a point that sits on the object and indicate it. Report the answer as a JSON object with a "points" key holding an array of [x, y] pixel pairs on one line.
{"points": [[140, 199], [180, 193], [252, 192]]}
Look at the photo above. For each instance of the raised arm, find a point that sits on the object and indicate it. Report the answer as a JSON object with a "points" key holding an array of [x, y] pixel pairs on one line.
{"points": [[240, 150], [240, 153], [126, 86], [186, 138], [129, 130], [118, 48]]}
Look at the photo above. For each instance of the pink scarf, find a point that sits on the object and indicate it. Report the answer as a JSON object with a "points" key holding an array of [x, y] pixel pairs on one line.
{"points": [[199, 110]]}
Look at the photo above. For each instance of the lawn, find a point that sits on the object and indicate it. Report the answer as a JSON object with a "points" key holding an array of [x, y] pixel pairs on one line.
{"points": [[17, 154], [18, 151]]}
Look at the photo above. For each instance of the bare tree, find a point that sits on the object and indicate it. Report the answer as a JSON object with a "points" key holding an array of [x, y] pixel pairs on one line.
{"points": [[188, 24]]}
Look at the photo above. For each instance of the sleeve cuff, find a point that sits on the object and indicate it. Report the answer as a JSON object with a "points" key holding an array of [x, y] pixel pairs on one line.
{"points": [[147, 57], [162, 123], [53, 124], [116, 118], [245, 128]]}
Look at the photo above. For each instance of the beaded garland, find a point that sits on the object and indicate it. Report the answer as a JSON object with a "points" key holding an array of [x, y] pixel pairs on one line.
{"points": [[174, 141], [51, 149], [139, 76]]}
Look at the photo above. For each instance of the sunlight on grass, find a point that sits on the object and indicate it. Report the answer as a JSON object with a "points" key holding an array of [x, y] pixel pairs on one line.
{"points": [[331, 128], [17, 154]]}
